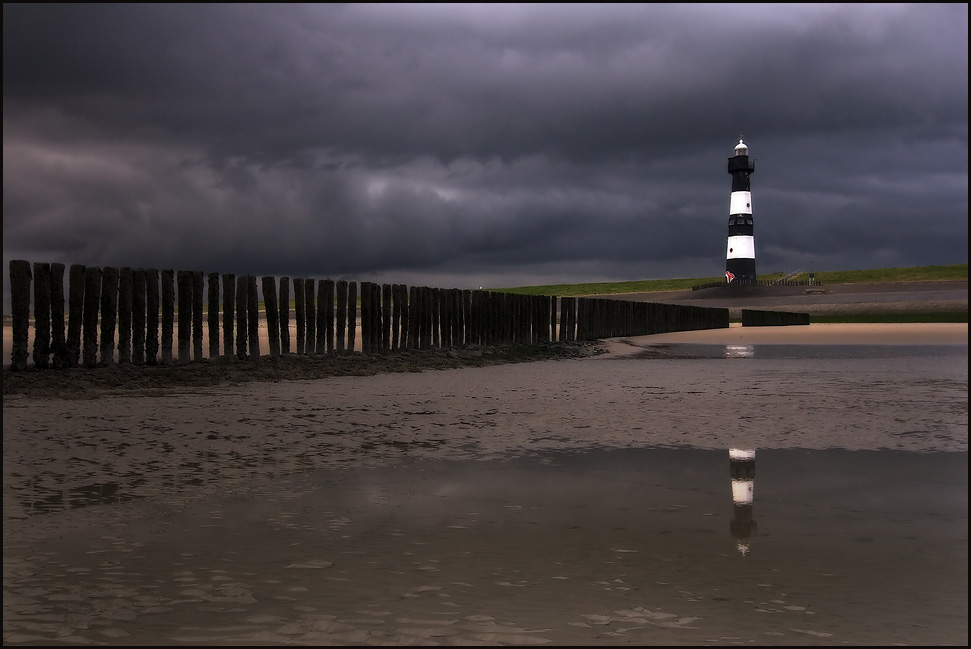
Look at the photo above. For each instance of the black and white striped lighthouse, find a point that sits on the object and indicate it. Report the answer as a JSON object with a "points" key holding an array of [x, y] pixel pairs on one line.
{"points": [[740, 259]]}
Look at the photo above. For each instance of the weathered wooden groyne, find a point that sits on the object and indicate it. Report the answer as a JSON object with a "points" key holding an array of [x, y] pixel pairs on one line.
{"points": [[147, 316], [760, 318]]}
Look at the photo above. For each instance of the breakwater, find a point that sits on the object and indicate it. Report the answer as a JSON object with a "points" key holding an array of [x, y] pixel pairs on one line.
{"points": [[762, 318], [87, 315]]}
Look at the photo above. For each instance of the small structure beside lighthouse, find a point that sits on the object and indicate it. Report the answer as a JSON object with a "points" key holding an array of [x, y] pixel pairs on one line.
{"points": [[740, 258]]}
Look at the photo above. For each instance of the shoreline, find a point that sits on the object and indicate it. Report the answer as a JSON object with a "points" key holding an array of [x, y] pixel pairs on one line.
{"points": [[931, 333], [86, 383]]}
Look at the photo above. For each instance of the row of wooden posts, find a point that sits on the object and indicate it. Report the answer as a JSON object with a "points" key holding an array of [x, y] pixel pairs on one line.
{"points": [[138, 308], [761, 318]]}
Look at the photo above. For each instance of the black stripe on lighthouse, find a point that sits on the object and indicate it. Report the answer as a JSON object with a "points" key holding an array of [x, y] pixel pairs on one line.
{"points": [[740, 258]]}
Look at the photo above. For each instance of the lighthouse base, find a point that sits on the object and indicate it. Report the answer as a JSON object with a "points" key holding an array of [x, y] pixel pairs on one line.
{"points": [[742, 269]]}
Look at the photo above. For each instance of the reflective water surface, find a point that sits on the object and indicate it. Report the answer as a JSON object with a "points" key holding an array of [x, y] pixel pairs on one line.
{"points": [[599, 546]]}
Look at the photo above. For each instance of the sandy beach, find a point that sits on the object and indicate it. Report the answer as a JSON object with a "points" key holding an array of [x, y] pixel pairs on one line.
{"points": [[584, 499]]}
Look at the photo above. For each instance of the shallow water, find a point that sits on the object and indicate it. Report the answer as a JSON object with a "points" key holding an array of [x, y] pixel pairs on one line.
{"points": [[792, 352], [581, 502], [595, 547]]}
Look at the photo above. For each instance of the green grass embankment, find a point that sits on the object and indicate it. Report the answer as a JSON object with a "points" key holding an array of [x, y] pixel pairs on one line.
{"points": [[954, 272]]}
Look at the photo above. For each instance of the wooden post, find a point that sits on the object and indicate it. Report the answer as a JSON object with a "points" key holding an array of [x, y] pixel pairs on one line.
{"points": [[341, 288], [457, 323], [431, 309], [478, 317], [448, 317], [139, 311], [92, 300], [20, 277], [419, 332], [444, 317], [380, 334], [494, 330], [229, 312], [366, 317], [330, 294], [198, 299], [323, 324], [109, 314], [377, 319], [395, 317], [310, 313], [424, 317], [213, 315], [272, 310], [386, 297], [487, 308], [367, 337], [435, 303], [473, 327], [411, 322], [168, 314], [241, 314], [351, 315], [409, 318], [427, 316], [455, 306], [77, 279], [373, 336], [285, 315], [241, 310], [58, 346], [42, 315], [581, 318], [300, 313], [550, 318], [253, 307], [124, 315], [466, 315], [184, 285], [447, 322], [149, 278]]}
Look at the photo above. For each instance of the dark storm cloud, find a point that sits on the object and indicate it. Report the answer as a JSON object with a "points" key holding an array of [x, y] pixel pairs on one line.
{"points": [[461, 145]]}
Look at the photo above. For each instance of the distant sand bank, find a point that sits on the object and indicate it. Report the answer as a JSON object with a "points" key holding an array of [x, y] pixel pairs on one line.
{"points": [[936, 333]]}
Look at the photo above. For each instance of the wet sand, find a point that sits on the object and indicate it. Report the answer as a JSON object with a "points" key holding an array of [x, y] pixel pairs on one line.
{"points": [[814, 334], [576, 501]]}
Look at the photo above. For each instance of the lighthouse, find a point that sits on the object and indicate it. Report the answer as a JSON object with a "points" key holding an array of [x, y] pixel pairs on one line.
{"points": [[740, 259]]}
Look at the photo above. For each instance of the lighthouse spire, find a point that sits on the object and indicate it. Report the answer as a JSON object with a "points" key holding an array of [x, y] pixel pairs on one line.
{"points": [[740, 258]]}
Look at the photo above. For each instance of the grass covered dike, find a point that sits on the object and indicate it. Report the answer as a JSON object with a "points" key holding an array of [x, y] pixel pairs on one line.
{"points": [[943, 273], [952, 273]]}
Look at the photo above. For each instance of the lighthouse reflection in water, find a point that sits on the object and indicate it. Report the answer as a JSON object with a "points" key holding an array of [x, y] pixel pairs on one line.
{"points": [[739, 351], [742, 469]]}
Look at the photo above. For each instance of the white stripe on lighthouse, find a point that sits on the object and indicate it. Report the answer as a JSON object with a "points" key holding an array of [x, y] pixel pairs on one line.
{"points": [[741, 247], [741, 203]]}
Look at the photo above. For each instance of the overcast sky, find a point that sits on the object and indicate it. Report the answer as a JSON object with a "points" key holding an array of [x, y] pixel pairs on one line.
{"points": [[482, 145]]}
